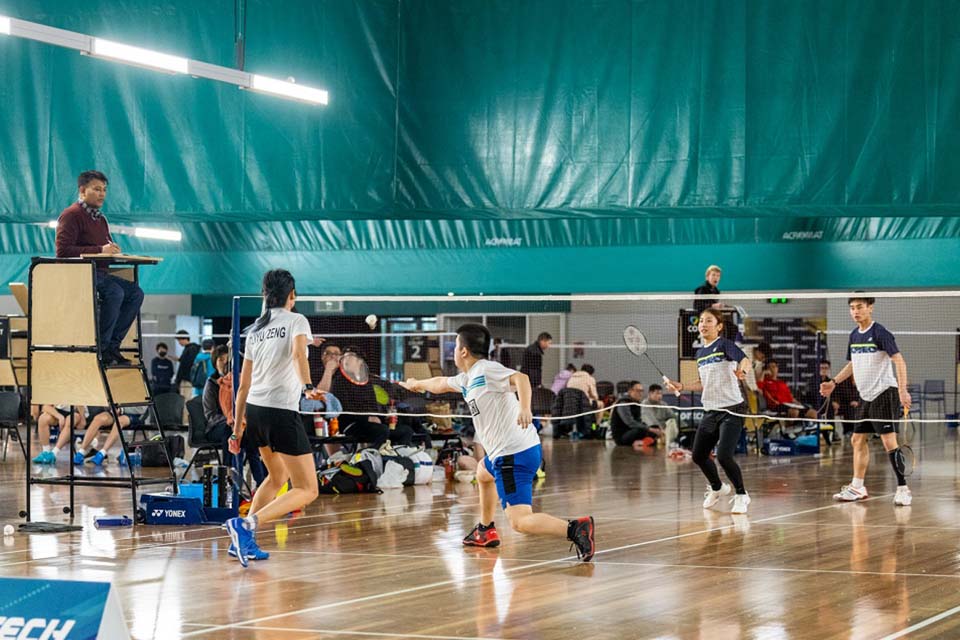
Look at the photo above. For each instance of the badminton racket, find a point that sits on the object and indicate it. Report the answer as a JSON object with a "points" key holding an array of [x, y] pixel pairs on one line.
{"points": [[906, 459], [636, 344], [354, 369]]}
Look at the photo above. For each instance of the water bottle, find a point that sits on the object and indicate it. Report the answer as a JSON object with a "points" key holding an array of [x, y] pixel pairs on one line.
{"points": [[136, 457], [320, 426]]}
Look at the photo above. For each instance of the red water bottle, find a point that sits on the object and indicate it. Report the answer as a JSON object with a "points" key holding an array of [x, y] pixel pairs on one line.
{"points": [[393, 415]]}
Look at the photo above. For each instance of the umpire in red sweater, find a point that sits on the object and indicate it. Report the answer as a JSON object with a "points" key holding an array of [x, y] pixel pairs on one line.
{"points": [[82, 228]]}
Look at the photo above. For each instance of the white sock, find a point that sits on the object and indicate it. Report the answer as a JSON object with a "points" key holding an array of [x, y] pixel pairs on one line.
{"points": [[56, 451], [93, 445], [857, 483], [47, 447], [250, 523], [82, 451]]}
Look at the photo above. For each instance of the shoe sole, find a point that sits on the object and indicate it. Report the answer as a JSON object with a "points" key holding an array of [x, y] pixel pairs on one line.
{"points": [[233, 554], [488, 545], [235, 539], [839, 499], [593, 545]]}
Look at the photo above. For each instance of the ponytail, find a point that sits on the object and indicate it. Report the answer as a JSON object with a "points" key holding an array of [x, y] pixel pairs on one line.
{"points": [[277, 285]]}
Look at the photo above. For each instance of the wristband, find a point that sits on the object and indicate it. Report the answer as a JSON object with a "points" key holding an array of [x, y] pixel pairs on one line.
{"points": [[307, 388]]}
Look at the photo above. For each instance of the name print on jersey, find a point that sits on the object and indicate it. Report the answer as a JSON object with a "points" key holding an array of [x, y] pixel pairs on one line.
{"points": [[266, 334]]}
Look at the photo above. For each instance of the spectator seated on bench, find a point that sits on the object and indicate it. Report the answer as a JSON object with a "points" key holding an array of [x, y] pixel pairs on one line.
{"points": [[626, 424], [57, 415]]}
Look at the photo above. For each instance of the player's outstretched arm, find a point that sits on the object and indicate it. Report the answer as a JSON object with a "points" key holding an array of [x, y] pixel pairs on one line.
{"points": [[430, 385]]}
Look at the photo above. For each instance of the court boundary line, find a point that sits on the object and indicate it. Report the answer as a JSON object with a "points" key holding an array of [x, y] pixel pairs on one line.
{"points": [[442, 583], [922, 624], [375, 634]]}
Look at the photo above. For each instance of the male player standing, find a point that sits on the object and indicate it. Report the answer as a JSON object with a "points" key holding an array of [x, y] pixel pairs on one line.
{"points": [[872, 355]]}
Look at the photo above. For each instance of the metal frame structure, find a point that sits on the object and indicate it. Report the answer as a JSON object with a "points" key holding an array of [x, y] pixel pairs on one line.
{"points": [[130, 480]]}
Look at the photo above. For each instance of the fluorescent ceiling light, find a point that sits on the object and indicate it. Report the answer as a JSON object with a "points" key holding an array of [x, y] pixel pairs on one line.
{"points": [[5, 25], [288, 89], [157, 234], [53, 224], [135, 55]]}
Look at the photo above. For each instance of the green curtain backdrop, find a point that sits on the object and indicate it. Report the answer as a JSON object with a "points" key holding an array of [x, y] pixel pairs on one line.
{"points": [[600, 145]]}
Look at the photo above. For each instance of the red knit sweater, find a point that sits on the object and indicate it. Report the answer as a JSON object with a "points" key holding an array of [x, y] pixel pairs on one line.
{"points": [[78, 232]]}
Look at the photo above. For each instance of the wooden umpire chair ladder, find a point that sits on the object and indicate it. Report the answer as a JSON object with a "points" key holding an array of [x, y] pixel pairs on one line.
{"points": [[64, 364]]}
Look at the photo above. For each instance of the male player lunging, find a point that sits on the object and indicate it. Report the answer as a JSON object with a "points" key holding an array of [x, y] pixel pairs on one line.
{"points": [[513, 448]]}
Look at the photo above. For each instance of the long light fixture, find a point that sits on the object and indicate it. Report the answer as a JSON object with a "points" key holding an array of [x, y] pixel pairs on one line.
{"points": [[157, 234], [138, 232], [137, 56], [288, 90]]}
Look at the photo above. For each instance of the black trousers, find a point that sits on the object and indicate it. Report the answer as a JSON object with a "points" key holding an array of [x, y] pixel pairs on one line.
{"points": [[628, 437], [721, 430], [376, 433]]}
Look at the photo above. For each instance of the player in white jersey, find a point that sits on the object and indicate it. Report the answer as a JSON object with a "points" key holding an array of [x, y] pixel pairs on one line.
{"points": [[873, 355], [512, 448], [275, 375]]}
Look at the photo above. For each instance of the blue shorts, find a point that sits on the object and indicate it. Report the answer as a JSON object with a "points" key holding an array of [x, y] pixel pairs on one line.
{"points": [[514, 474]]}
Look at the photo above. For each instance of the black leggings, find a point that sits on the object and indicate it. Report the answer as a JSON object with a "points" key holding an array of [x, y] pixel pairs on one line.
{"points": [[628, 437], [721, 430]]}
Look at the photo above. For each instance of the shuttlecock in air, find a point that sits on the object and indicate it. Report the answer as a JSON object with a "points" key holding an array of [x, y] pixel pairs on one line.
{"points": [[371, 321]]}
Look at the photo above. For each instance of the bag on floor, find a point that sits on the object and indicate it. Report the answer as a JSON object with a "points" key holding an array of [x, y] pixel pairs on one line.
{"points": [[359, 475], [422, 463], [152, 456], [395, 474]]}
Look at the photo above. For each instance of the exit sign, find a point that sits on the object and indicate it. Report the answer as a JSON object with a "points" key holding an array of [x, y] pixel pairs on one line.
{"points": [[777, 300]]}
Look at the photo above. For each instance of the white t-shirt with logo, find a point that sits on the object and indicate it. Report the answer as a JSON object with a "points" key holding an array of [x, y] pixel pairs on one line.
{"points": [[495, 407], [270, 349]]}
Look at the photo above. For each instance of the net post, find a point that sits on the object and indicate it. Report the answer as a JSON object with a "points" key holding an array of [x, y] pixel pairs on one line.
{"points": [[818, 357], [235, 369]]}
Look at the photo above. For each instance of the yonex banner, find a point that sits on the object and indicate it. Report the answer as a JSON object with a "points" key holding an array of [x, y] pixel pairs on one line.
{"points": [[59, 610]]}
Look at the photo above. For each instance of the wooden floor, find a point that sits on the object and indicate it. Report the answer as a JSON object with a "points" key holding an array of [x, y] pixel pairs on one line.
{"points": [[391, 565]]}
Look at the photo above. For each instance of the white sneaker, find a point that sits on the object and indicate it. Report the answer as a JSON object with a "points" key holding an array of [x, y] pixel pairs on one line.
{"points": [[739, 502], [712, 497], [848, 493], [903, 497]]}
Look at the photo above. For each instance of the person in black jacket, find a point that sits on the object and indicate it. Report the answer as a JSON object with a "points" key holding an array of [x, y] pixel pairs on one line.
{"points": [[626, 426], [219, 427], [187, 356], [708, 288], [532, 363], [161, 371]]}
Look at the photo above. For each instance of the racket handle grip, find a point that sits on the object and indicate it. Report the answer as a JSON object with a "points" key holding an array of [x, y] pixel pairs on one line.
{"points": [[666, 381]]}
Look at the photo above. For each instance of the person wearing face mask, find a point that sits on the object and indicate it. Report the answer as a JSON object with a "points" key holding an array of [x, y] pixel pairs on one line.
{"points": [[161, 371]]}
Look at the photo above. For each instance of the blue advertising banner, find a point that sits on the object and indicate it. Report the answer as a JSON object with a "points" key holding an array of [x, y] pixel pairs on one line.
{"points": [[59, 610]]}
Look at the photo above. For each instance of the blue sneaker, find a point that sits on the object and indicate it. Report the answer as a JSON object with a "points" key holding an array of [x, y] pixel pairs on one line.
{"points": [[45, 457], [256, 553], [78, 459], [241, 538], [98, 458]]}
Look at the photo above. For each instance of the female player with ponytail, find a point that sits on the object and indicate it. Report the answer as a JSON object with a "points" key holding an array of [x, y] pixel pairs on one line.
{"points": [[274, 376]]}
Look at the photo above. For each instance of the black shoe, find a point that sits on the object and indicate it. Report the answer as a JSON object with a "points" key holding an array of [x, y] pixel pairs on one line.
{"points": [[582, 538], [114, 358]]}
